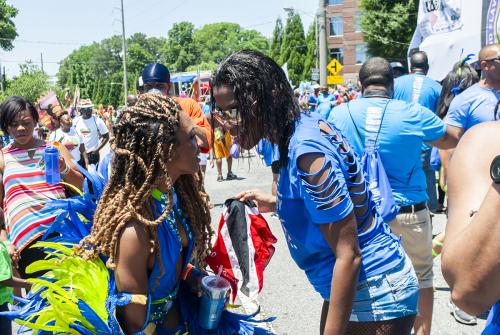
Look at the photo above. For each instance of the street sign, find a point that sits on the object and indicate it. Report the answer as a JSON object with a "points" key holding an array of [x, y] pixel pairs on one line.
{"points": [[334, 66], [335, 80], [315, 74]]}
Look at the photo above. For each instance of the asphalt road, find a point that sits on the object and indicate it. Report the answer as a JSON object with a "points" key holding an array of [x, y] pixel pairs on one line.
{"points": [[287, 295]]}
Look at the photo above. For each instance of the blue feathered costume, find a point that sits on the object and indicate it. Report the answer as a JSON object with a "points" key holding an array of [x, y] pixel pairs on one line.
{"points": [[76, 296]]}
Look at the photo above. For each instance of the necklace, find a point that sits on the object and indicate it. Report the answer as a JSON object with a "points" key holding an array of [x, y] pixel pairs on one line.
{"points": [[174, 214]]}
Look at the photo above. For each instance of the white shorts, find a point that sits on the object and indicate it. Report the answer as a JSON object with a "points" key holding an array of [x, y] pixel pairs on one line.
{"points": [[203, 159]]}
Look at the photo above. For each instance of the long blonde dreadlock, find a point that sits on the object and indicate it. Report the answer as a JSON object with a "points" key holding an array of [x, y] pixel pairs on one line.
{"points": [[141, 135]]}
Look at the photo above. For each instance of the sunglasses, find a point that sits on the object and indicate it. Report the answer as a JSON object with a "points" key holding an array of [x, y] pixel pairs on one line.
{"points": [[497, 58], [86, 109]]}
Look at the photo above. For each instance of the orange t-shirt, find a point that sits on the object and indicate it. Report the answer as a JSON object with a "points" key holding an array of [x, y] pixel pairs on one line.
{"points": [[194, 111]]}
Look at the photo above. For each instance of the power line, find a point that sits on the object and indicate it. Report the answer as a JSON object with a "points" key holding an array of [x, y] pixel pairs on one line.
{"points": [[385, 40], [41, 42], [258, 24]]}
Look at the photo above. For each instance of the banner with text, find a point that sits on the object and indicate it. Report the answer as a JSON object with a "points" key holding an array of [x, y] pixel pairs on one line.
{"points": [[450, 29]]}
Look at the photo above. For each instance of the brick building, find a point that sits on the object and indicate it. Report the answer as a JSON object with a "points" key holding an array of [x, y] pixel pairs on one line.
{"points": [[345, 39]]}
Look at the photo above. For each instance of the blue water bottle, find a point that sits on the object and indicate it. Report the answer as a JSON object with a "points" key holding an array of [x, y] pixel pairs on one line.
{"points": [[215, 295], [51, 159]]}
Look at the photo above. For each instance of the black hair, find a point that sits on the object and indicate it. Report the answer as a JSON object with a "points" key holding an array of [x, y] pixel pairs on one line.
{"points": [[265, 100], [11, 107], [461, 77], [376, 71], [419, 60]]}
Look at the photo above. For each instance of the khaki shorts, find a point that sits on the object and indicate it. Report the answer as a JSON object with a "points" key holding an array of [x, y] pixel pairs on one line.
{"points": [[416, 232]]}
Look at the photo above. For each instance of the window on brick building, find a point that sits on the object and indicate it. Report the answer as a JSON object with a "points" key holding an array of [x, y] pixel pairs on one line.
{"points": [[358, 21], [336, 26], [338, 54], [335, 2], [360, 53]]}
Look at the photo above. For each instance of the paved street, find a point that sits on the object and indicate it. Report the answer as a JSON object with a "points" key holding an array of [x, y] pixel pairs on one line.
{"points": [[287, 293]]}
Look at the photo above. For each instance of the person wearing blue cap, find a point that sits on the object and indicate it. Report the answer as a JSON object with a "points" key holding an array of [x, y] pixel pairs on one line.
{"points": [[156, 78]]}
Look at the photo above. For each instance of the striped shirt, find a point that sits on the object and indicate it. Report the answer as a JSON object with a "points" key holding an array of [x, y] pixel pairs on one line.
{"points": [[25, 194]]}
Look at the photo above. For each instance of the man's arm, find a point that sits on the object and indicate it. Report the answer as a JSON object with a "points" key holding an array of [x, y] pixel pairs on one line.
{"points": [[102, 141], [448, 141], [472, 241], [202, 129], [84, 154]]}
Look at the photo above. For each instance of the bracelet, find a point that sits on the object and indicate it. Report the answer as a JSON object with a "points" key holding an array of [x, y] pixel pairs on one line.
{"points": [[66, 170], [189, 267]]}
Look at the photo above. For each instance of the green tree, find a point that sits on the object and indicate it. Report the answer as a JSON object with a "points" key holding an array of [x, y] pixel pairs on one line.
{"points": [[293, 48], [388, 27], [311, 52], [180, 51], [7, 27], [30, 84], [98, 68], [275, 51], [216, 41], [203, 66]]}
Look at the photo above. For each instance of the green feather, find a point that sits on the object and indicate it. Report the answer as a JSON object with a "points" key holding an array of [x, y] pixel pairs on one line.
{"points": [[72, 279]]}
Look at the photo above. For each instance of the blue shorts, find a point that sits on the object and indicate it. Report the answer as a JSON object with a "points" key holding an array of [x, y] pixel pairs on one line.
{"points": [[391, 295]]}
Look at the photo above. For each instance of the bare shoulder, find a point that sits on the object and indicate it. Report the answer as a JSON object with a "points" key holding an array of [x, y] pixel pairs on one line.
{"points": [[135, 230], [479, 145], [135, 238]]}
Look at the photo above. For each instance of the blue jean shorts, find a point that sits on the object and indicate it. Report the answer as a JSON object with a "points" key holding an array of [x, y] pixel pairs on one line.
{"points": [[391, 295]]}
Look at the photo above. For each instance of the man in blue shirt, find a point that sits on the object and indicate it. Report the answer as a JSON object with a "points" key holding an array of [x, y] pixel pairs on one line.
{"points": [[478, 103], [325, 96], [417, 87], [399, 129]]}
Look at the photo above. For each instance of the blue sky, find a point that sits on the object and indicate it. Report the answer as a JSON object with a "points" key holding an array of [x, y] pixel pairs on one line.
{"points": [[56, 27]]}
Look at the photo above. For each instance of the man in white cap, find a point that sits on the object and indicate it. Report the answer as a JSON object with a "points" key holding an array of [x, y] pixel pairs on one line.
{"points": [[91, 129]]}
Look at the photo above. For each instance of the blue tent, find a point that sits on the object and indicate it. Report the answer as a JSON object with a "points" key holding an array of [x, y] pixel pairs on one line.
{"points": [[185, 78]]}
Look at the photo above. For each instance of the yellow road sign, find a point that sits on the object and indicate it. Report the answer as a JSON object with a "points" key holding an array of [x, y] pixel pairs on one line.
{"points": [[335, 80], [334, 66]]}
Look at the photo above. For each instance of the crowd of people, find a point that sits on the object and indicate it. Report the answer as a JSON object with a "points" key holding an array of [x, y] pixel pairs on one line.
{"points": [[357, 178]]}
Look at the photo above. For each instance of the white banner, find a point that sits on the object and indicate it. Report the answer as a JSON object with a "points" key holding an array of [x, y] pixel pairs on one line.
{"points": [[448, 30]]}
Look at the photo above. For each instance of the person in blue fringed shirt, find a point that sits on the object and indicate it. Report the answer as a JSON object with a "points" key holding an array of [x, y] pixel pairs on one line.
{"points": [[333, 232]]}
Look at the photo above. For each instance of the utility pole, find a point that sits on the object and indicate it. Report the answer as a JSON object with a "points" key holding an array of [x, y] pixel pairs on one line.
{"points": [[1, 78], [125, 76], [316, 41], [322, 43], [41, 60]]}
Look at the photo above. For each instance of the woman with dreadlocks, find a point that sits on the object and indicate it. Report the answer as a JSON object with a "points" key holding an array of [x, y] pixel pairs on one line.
{"points": [[150, 222], [328, 215], [152, 215]]}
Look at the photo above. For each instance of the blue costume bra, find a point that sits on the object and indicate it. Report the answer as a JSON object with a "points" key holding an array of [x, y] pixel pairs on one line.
{"points": [[163, 288]]}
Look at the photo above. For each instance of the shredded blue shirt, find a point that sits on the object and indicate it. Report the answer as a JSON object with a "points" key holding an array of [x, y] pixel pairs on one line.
{"points": [[303, 207]]}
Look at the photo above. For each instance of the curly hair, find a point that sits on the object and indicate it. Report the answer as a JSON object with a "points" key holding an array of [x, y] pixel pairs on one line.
{"points": [[144, 137], [265, 100]]}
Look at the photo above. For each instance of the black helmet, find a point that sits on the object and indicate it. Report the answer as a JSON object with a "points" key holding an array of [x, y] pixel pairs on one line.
{"points": [[155, 73], [398, 66]]}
